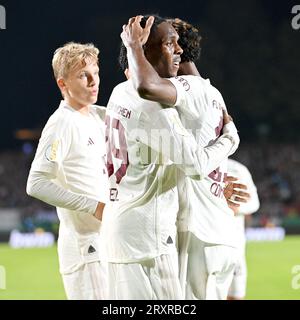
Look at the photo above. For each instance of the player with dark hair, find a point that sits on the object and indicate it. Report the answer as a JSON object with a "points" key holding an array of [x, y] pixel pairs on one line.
{"points": [[207, 240], [123, 62], [146, 147], [190, 41]]}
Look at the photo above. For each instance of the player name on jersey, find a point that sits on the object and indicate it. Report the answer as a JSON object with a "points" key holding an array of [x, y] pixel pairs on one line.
{"points": [[124, 112]]}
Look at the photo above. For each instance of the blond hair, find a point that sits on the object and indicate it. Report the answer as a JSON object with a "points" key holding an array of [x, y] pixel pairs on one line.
{"points": [[71, 55]]}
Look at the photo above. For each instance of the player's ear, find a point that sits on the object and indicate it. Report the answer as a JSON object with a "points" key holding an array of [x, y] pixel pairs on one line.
{"points": [[61, 83], [127, 74]]}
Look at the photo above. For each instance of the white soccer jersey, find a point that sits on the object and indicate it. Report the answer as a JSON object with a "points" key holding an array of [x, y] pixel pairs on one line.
{"points": [[146, 144], [238, 170], [69, 172], [206, 213]]}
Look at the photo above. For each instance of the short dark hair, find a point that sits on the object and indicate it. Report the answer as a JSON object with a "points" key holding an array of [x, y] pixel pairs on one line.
{"points": [[123, 62], [189, 40]]}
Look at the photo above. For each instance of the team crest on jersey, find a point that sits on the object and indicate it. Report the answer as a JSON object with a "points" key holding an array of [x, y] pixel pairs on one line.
{"points": [[51, 151]]}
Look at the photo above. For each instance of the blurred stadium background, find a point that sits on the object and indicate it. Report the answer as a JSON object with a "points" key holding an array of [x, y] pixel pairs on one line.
{"points": [[250, 53]]}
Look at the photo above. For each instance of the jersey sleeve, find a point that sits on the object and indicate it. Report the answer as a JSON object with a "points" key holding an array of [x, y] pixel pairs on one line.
{"points": [[53, 147], [190, 96], [40, 186], [52, 150], [175, 143]]}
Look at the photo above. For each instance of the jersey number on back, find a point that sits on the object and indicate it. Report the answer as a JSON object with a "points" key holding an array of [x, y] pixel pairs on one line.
{"points": [[112, 150], [216, 175]]}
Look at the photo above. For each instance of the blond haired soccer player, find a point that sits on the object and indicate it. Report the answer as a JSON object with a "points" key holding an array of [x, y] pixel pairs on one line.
{"points": [[69, 170]]}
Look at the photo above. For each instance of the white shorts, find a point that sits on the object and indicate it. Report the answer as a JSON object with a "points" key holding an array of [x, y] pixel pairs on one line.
{"points": [[238, 286], [87, 283], [154, 279], [206, 269]]}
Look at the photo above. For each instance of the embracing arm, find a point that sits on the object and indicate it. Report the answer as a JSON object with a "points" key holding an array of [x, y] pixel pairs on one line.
{"points": [[175, 143]]}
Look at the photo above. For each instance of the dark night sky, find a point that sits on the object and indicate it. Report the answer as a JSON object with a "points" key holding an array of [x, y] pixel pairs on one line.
{"points": [[248, 46]]}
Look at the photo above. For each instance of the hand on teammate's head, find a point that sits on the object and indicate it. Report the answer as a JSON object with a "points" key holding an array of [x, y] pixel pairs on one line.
{"points": [[133, 33]]}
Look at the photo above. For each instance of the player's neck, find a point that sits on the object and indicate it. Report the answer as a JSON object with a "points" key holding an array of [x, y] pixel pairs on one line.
{"points": [[81, 108], [188, 68]]}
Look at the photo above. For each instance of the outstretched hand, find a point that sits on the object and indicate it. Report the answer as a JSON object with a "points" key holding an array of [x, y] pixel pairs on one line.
{"points": [[234, 194], [133, 33]]}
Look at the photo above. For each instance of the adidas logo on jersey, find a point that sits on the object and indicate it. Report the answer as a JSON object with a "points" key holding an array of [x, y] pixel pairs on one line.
{"points": [[90, 141], [169, 240], [91, 249]]}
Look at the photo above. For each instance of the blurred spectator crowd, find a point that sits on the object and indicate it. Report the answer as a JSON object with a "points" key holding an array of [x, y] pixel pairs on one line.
{"points": [[14, 169], [274, 167]]}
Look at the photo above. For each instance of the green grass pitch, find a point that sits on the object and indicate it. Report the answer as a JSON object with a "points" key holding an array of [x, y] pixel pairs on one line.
{"points": [[270, 267], [33, 273]]}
